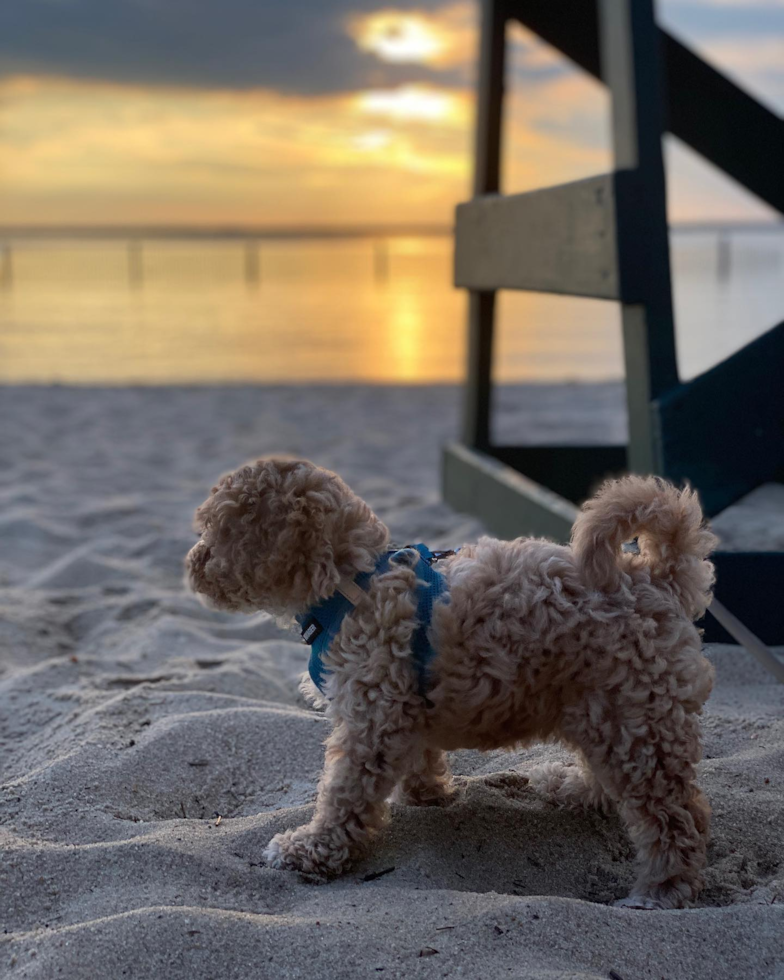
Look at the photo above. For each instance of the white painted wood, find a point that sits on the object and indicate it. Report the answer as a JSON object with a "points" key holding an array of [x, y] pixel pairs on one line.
{"points": [[743, 636], [508, 503], [558, 240]]}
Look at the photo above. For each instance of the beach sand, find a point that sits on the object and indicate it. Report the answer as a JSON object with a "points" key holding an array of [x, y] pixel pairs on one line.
{"points": [[131, 718]]}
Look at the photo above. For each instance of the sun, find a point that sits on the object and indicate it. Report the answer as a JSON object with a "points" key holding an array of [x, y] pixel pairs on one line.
{"points": [[399, 37]]}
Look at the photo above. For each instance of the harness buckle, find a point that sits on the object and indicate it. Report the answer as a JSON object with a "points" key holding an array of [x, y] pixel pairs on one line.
{"points": [[440, 555]]}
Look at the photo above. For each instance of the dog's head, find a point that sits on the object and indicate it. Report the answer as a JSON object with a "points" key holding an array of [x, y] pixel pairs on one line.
{"points": [[279, 534]]}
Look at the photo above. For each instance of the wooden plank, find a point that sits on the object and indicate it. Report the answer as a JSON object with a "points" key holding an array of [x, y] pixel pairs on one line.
{"points": [[695, 84], [745, 637], [724, 431], [631, 50], [477, 395], [631, 53], [748, 584], [643, 452], [573, 472], [490, 94], [487, 172], [557, 239], [690, 84], [508, 504]]}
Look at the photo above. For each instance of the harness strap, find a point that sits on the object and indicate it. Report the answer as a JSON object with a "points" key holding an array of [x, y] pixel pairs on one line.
{"points": [[431, 585], [349, 589], [321, 624]]}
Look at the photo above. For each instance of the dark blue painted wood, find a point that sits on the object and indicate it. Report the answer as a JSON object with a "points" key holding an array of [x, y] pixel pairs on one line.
{"points": [[724, 431], [573, 472], [750, 584]]}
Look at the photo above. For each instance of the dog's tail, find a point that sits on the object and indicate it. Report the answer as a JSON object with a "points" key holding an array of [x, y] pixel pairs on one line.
{"points": [[670, 530]]}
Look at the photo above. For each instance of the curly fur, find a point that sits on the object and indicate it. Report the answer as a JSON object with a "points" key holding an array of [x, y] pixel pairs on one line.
{"points": [[586, 644]]}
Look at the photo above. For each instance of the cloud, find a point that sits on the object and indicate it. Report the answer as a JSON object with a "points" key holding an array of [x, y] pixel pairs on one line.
{"points": [[301, 47], [410, 102], [307, 47], [700, 21], [84, 152], [258, 113]]}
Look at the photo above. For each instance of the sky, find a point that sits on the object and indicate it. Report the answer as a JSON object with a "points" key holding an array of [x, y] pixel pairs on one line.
{"points": [[317, 112]]}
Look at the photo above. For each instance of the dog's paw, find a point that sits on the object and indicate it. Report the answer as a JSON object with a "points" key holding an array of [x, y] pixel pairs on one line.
{"points": [[639, 902], [306, 851], [568, 785], [510, 783], [275, 855], [556, 782], [428, 794], [675, 893]]}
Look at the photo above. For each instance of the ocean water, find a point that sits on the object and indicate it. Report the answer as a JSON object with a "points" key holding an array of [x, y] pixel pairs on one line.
{"points": [[328, 310]]}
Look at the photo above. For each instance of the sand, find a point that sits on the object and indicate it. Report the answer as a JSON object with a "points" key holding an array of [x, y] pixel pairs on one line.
{"points": [[131, 718]]}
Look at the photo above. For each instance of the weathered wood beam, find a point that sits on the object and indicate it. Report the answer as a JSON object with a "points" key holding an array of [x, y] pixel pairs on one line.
{"points": [[557, 240], [487, 176], [631, 69], [724, 430], [479, 370], [509, 504]]}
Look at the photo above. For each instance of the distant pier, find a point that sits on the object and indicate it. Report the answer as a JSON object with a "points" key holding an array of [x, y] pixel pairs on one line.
{"points": [[6, 266]]}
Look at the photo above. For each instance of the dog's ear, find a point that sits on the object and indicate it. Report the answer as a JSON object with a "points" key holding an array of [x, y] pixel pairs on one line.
{"points": [[359, 536], [327, 533], [230, 498], [310, 546], [324, 573]]}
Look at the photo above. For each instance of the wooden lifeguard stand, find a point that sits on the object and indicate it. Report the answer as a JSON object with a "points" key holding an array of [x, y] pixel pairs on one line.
{"points": [[607, 237]]}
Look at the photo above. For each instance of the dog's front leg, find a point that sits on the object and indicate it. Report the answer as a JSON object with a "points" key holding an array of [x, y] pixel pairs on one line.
{"points": [[378, 713], [351, 805]]}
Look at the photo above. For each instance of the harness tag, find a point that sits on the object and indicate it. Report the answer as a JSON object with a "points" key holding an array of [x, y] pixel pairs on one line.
{"points": [[311, 631], [349, 589]]}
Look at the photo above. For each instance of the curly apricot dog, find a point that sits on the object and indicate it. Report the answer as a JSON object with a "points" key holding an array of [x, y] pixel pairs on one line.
{"points": [[589, 644]]}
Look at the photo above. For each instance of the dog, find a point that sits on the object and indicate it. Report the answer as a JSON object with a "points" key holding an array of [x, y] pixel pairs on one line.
{"points": [[592, 644]]}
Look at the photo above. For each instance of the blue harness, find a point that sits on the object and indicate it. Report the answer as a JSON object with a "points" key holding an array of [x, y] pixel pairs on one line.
{"points": [[321, 623]]}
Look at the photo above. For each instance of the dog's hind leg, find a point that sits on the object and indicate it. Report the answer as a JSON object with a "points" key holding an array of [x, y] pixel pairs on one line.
{"points": [[668, 818], [671, 837], [428, 781], [648, 765]]}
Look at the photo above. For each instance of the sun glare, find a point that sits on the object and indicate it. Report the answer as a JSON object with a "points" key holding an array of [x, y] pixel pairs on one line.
{"points": [[376, 139], [399, 38], [411, 102]]}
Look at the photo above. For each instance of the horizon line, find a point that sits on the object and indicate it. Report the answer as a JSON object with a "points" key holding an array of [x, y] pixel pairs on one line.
{"points": [[272, 232]]}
